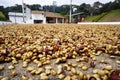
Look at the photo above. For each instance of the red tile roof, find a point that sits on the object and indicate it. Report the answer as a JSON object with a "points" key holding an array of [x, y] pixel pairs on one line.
{"points": [[48, 14]]}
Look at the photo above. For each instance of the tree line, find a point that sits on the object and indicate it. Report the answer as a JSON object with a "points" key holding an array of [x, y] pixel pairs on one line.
{"points": [[95, 9]]}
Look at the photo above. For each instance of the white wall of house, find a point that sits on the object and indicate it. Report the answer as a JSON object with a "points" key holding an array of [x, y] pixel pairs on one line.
{"points": [[39, 17], [16, 17], [29, 18], [28, 14]]}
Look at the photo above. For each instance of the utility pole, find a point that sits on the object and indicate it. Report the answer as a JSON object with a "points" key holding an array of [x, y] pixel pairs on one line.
{"points": [[15, 17], [70, 11], [15, 13], [23, 11]]}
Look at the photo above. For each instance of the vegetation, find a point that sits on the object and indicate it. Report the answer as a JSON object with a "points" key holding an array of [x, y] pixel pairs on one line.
{"points": [[2, 17], [95, 18], [113, 15], [107, 16]]}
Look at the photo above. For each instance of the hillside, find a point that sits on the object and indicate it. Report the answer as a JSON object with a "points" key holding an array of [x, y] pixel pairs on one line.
{"points": [[2, 16], [112, 16]]}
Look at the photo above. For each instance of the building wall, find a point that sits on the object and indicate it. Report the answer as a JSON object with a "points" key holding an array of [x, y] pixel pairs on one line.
{"points": [[39, 17], [16, 19], [28, 14], [19, 19]]}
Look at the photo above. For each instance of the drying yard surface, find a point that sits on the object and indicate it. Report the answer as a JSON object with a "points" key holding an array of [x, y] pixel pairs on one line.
{"points": [[59, 52]]}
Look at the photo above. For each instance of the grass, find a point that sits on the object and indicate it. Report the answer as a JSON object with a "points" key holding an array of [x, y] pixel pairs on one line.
{"points": [[113, 15], [95, 18], [90, 18]]}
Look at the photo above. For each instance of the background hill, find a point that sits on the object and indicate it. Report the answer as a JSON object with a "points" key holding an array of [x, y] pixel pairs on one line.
{"points": [[111, 16]]}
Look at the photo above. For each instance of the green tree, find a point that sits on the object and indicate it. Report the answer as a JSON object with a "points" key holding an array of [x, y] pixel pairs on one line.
{"points": [[35, 7], [96, 7], [86, 8], [2, 17], [64, 9]]}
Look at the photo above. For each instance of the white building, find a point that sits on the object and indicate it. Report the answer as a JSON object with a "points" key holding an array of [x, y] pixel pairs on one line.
{"points": [[31, 17]]}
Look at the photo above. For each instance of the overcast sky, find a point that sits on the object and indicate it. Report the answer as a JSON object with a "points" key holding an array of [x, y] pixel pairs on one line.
{"points": [[49, 2]]}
